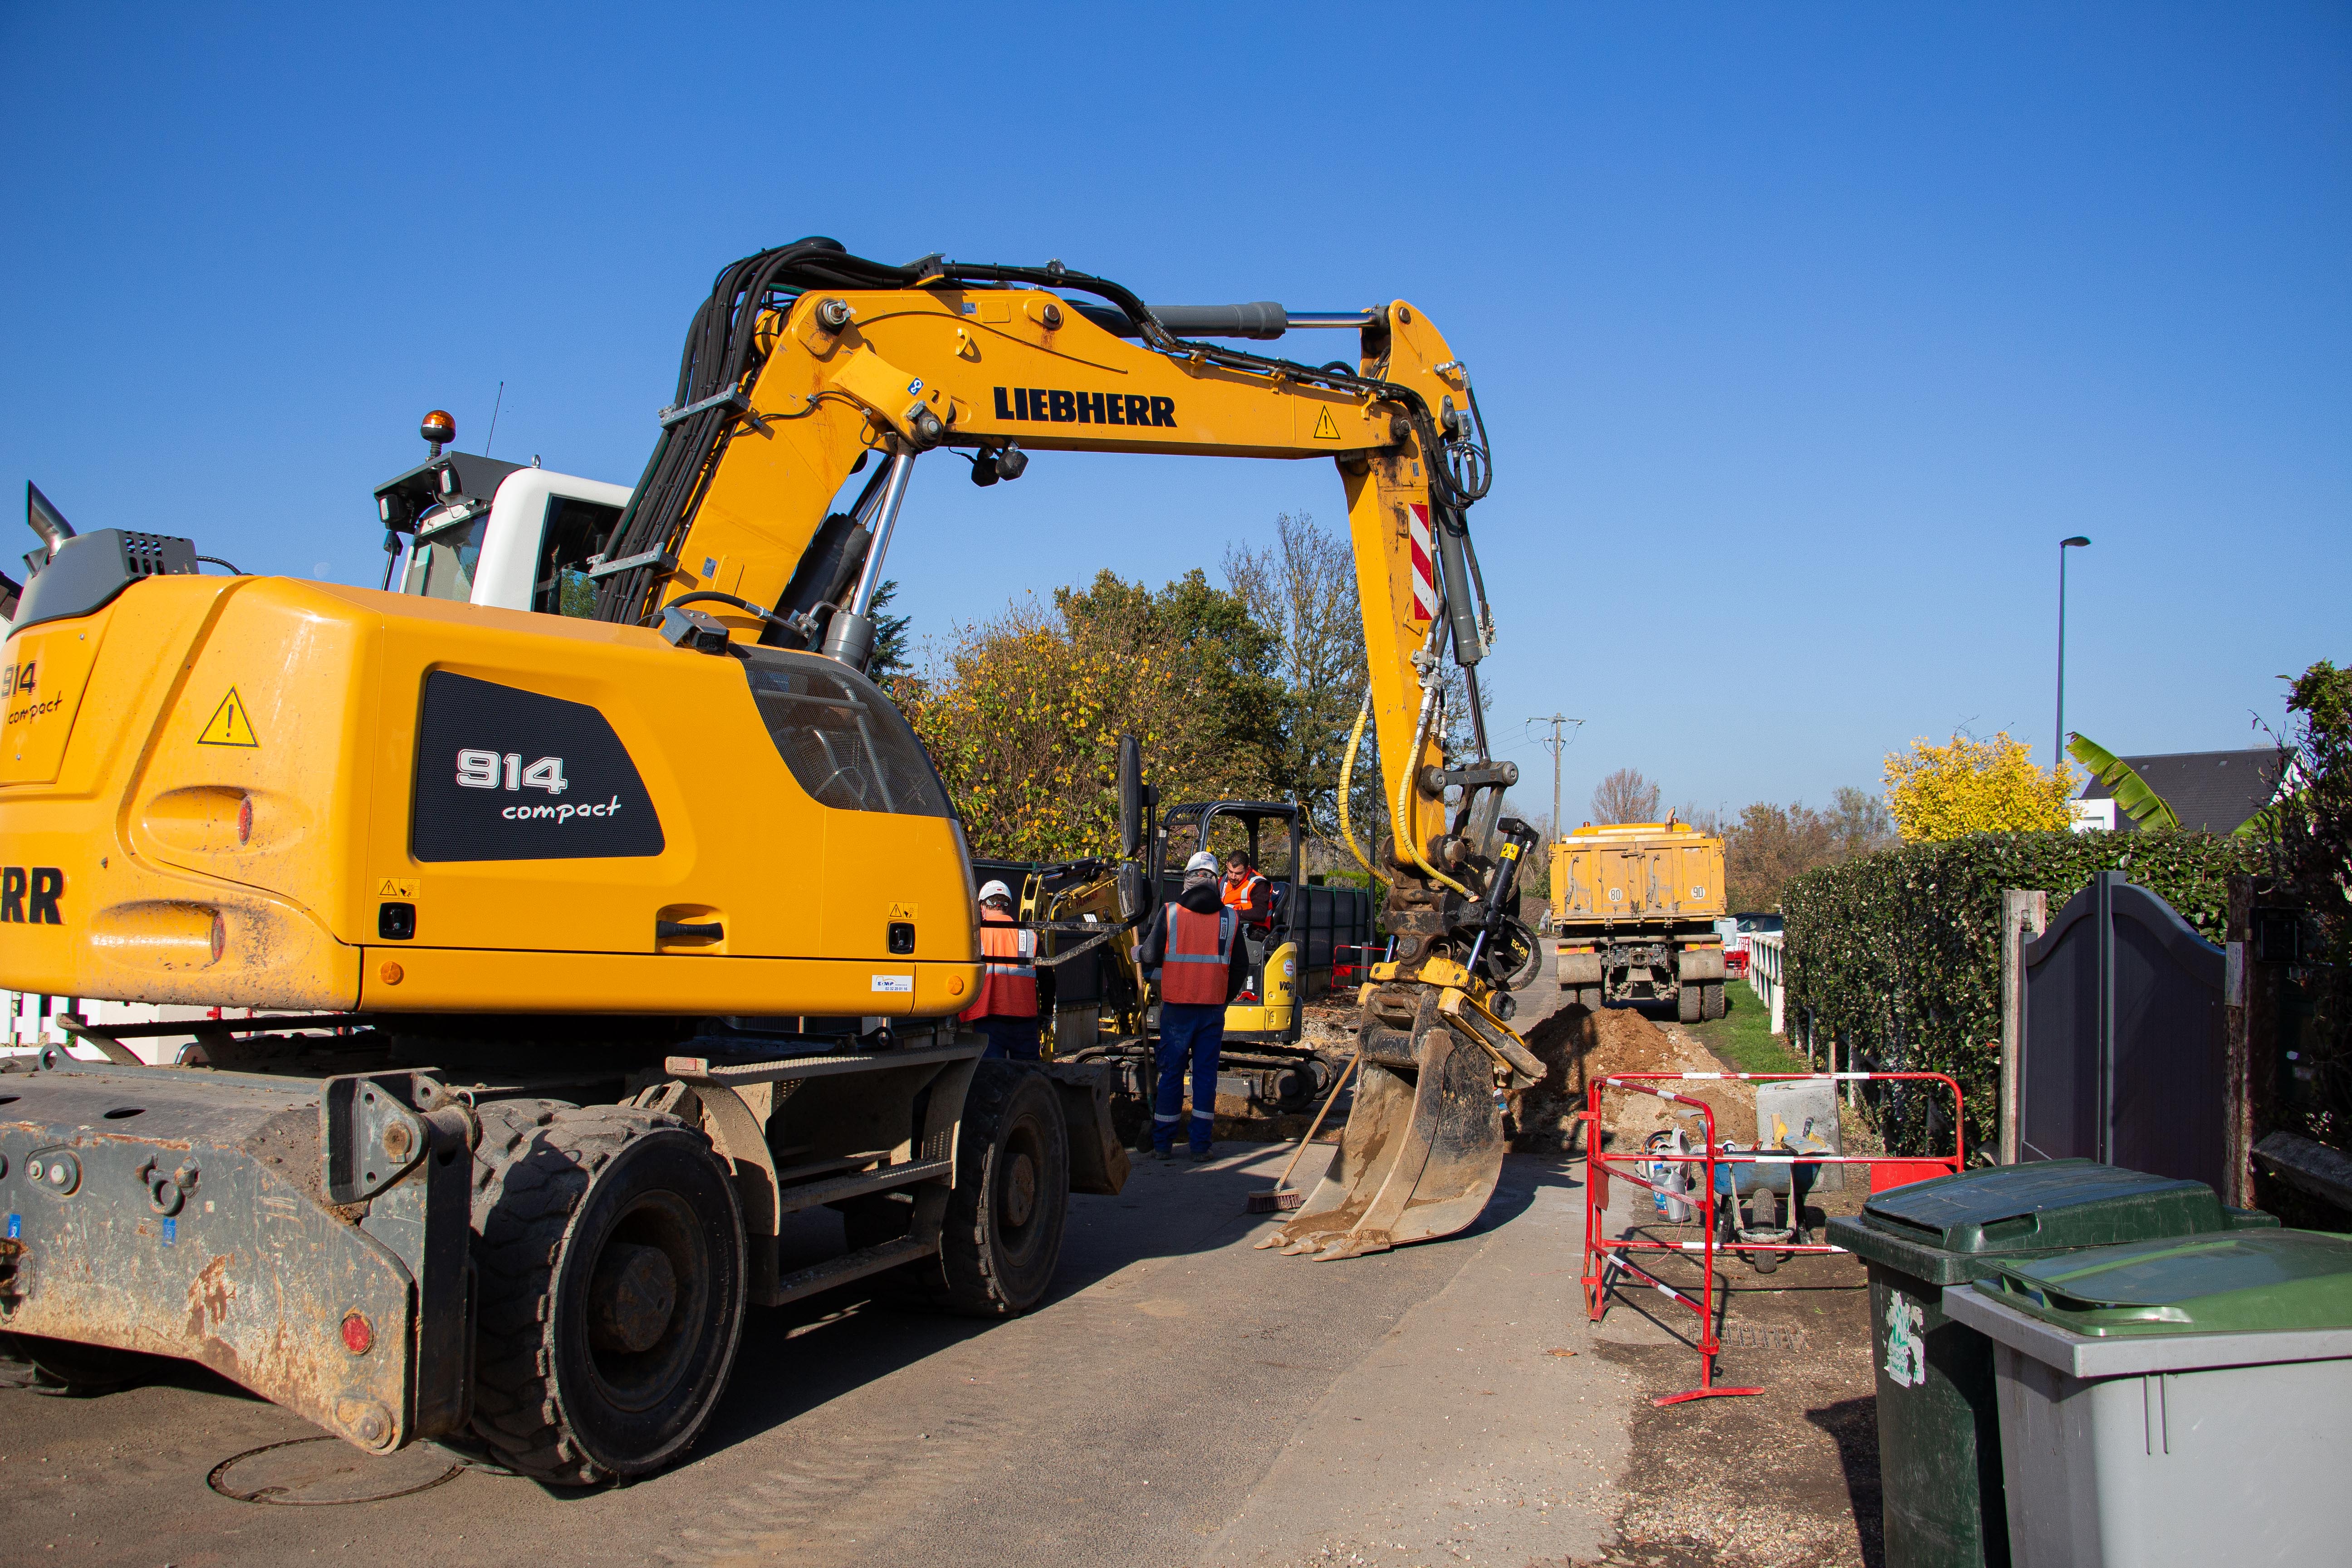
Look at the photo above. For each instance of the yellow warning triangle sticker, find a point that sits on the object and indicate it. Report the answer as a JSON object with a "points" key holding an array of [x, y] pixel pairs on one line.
{"points": [[1324, 429], [228, 726]]}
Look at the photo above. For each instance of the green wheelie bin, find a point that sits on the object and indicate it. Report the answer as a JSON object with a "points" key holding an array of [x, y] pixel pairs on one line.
{"points": [[1939, 1422]]}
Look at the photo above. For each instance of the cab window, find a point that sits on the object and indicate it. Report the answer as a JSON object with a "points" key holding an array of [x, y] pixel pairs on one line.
{"points": [[845, 743], [441, 562], [574, 530]]}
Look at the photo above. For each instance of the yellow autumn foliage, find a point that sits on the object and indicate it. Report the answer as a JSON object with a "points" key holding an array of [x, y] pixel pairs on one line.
{"points": [[1939, 792], [1021, 716]]}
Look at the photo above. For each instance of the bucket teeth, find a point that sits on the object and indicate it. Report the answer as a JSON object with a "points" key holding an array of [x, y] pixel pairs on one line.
{"points": [[1421, 1153]]}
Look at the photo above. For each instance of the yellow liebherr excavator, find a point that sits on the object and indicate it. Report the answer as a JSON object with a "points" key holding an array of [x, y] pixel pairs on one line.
{"points": [[601, 945]]}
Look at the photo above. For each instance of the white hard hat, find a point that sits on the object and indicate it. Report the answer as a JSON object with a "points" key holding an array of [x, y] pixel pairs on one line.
{"points": [[996, 890], [1203, 861]]}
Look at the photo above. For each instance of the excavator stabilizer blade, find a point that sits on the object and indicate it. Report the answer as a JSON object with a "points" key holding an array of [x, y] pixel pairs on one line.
{"points": [[1419, 1157]]}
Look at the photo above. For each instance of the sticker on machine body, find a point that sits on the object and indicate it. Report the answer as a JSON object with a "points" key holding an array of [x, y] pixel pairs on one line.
{"points": [[902, 984], [507, 774]]}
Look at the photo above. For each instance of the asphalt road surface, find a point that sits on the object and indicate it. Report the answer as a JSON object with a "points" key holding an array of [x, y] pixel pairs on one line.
{"points": [[1180, 1398]]}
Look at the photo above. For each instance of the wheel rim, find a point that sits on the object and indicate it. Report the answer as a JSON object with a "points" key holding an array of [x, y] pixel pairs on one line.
{"points": [[649, 1301], [1016, 1194]]}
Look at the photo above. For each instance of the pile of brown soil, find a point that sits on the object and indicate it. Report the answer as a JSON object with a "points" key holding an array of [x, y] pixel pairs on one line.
{"points": [[1578, 1047]]}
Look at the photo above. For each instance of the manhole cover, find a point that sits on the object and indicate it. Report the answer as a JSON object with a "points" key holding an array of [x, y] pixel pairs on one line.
{"points": [[320, 1472]]}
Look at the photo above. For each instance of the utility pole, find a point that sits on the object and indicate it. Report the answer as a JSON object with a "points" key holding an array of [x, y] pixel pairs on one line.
{"points": [[1556, 743]]}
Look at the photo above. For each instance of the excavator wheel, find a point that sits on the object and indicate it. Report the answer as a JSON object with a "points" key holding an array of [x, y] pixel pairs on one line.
{"points": [[1686, 1003], [609, 1249], [1710, 1003], [1003, 1238]]}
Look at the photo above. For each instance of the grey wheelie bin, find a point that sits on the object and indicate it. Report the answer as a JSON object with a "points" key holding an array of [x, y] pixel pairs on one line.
{"points": [[2174, 1402], [1939, 1432]]}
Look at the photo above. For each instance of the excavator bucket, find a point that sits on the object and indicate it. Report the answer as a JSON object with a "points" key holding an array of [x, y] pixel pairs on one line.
{"points": [[1419, 1155]]}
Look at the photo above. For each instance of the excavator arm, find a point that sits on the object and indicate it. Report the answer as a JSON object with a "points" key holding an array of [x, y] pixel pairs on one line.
{"points": [[784, 395], [806, 364]]}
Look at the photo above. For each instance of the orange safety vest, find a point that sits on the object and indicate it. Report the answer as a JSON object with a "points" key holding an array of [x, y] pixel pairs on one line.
{"points": [[1008, 985], [1200, 955], [1242, 896]]}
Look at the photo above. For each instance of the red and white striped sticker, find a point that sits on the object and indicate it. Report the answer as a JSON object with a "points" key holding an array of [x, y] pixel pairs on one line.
{"points": [[1424, 579]]}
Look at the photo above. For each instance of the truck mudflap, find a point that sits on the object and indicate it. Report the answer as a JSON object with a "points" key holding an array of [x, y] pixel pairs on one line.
{"points": [[306, 1239]]}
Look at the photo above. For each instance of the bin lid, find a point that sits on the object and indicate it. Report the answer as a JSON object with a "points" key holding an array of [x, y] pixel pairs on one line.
{"points": [[2243, 1282], [1934, 1228]]}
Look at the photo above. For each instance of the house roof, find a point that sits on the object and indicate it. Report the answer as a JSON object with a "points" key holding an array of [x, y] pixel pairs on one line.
{"points": [[2212, 790]]}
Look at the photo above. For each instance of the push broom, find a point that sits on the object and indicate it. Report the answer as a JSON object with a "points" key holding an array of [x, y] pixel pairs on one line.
{"points": [[1280, 1196]]}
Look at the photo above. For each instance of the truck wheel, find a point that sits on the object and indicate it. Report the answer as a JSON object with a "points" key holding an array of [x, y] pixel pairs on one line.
{"points": [[1589, 998], [1003, 1238], [1710, 1004], [609, 1249], [1686, 1004]]}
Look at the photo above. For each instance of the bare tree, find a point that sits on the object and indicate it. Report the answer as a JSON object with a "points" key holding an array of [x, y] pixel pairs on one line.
{"points": [[1769, 844], [1860, 823], [1303, 590], [1625, 796]]}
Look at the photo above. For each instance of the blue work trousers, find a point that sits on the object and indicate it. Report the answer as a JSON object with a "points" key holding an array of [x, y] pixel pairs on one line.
{"points": [[1009, 1038], [1192, 1033]]}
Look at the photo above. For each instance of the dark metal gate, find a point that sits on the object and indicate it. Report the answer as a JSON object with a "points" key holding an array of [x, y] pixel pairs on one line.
{"points": [[2125, 1047]]}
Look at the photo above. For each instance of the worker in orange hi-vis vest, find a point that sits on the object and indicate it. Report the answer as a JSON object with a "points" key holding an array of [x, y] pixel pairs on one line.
{"points": [[1249, 896], [1192, 948], [1006, 1007]]}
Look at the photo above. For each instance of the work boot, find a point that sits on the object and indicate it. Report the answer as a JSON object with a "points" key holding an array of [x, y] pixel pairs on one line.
{"points": [[1162, 1151], [1203, 1156]]}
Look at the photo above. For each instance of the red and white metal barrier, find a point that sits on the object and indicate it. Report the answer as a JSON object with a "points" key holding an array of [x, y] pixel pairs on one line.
{"points": [[1605, 1257]]}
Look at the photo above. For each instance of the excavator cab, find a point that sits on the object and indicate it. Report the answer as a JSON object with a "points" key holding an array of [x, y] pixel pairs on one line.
{"points": [[477, 530]]}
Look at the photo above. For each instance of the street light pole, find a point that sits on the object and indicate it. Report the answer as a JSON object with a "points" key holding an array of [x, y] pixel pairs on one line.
{"points": [[2058, 752]]}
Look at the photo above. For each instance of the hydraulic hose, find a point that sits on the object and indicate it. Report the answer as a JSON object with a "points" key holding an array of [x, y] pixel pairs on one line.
{"points": [[1346, 774], [1402, 817]]}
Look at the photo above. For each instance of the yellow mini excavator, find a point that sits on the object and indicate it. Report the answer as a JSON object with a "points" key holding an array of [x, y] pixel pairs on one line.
{"points": [[593, 940]]}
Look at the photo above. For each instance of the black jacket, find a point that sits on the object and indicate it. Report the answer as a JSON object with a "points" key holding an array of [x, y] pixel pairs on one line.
{"points": [[1202, 900]]}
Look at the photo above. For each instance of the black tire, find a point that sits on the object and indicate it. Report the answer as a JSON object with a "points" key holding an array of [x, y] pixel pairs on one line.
{"points": [[1686, 1004], [1710, 1003], [609, 1247], [67, 1367], [1589, 998], [1764, 1214], [1003, 1238]]}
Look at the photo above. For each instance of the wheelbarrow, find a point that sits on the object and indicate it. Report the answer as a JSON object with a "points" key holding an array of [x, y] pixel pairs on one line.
{"points": [[1761, 1186]]}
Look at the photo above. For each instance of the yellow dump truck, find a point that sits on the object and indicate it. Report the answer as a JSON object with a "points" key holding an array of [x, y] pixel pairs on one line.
{"points": [[1635, 905]]}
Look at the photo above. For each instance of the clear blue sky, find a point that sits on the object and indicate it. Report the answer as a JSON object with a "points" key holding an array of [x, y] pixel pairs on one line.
{"points": [[1804, 333]]}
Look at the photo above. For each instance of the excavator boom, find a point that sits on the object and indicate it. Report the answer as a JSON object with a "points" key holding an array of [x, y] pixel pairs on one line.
{"points": [[800, 369]]}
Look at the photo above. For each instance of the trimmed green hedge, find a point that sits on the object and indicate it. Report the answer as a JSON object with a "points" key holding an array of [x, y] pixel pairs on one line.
{"points": [[1899, 954]]}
